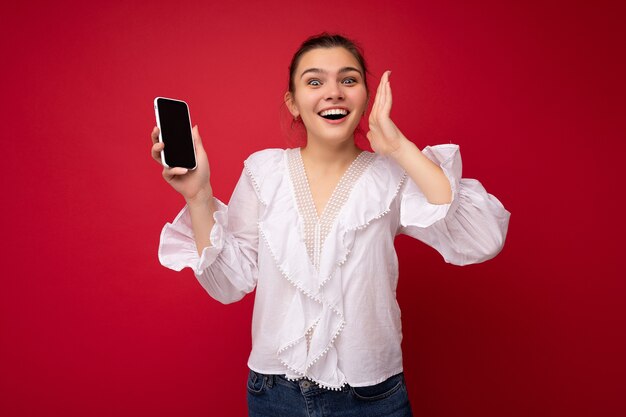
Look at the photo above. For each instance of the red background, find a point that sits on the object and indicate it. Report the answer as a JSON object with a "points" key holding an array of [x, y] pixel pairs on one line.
{"points": [[92, 325]]}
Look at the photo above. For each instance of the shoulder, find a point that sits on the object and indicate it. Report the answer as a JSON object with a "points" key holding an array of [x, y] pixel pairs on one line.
{"points": [[385, 172], [266, 155], [264, 161], [266, 170]]}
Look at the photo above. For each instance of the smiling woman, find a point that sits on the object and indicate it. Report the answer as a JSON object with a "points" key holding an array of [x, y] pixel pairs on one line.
{"points": [[329, 89], [313, 228]]}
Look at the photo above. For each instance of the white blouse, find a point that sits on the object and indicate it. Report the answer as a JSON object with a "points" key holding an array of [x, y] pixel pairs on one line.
{"points": [[325, 306]]}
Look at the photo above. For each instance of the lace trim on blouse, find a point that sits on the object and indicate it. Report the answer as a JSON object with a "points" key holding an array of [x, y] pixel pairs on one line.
{"points": [[316, 228]]}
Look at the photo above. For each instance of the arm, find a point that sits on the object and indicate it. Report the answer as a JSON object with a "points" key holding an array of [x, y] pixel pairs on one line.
{"points": [[219, 244], [426, 174], [226, 266], [386, 139], [457, 217], [194, 186], [201, 210], [470, 229]]}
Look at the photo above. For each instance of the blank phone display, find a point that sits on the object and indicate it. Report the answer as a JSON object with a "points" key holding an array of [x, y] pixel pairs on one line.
{"points": [[176, 133]]}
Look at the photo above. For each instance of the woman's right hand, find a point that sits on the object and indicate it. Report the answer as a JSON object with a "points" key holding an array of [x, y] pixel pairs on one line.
{"points": [[191, 184]]}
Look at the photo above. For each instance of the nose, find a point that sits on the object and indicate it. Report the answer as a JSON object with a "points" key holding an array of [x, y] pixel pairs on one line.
{"points": [[333, 92]]}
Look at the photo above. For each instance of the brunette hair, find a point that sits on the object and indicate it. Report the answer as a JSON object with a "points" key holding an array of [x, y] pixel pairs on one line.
{"points": [[326, 40]]}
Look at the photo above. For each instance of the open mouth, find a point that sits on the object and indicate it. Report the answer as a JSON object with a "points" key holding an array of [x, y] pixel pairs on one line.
{"points": [[334, 114]]}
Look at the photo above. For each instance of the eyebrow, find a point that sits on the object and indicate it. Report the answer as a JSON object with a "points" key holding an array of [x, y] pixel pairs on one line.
{"points": [[319, 70]]}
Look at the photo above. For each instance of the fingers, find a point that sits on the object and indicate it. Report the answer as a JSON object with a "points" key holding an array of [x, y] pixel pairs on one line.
{"points": [[171, 173], [197, 140], [197, 143], [383, 97], [386, 110], [157, 146], [156, 152], [382, 101], [376, 106]]}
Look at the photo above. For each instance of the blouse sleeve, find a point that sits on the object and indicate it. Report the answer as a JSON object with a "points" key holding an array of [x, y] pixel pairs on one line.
{"points": [[227, 269], [470, 229]]}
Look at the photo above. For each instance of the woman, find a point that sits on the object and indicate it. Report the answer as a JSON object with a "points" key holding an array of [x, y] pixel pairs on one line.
{"points": [[312, 229]]}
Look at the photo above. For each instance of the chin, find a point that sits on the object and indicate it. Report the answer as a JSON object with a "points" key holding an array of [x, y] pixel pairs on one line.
{"points": [[337, 136], [336, 139]]}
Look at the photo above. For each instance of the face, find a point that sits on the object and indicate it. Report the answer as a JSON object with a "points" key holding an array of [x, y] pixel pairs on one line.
{"points": [[330, 94]]}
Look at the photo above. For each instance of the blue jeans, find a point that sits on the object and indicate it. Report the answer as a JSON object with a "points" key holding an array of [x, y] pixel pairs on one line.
{"points": [[275, 396]]}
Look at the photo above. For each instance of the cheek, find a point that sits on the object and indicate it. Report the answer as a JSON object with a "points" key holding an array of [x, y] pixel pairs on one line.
{"points": [[305, 102], [360, 98]]}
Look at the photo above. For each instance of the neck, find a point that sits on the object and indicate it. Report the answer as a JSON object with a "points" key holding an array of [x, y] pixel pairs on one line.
{"points": [[330, 155]]}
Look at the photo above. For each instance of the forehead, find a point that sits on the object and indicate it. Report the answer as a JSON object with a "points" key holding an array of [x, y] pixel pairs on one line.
{"points": [[328, 59]]}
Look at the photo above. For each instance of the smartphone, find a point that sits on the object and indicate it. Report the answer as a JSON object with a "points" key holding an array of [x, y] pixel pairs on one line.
{"points": [[174, 123]]}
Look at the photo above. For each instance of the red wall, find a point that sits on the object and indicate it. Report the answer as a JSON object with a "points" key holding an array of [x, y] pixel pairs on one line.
{"points": [[92, 325]]}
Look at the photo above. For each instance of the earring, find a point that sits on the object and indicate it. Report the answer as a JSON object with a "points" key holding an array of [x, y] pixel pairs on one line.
{"points": [[295, 118]]}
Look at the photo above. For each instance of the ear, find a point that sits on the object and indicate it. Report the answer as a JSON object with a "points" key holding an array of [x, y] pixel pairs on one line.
{"points": [[291, 105]]}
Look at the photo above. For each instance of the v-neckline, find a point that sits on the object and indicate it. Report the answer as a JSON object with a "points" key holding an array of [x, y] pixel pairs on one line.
{"points": [[318, 225], [333, 195]]}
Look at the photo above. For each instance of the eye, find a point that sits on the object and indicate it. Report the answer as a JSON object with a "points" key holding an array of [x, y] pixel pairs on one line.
{"points": [[349, 81], [314, 83]]}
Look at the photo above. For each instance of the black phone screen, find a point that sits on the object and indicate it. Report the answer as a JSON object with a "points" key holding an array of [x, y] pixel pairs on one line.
{"points": [[175, 128]]}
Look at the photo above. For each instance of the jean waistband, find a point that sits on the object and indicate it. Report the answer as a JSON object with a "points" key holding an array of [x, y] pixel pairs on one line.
{"points": [[304, 383]]}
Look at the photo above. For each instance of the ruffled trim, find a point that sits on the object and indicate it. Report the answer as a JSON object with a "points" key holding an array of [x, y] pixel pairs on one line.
{"points": [[306, 339], [380, 176], [262, 168], [378, 185], [255, 185], [316, 320], [279, 265], [302, 343], [177, 247]]}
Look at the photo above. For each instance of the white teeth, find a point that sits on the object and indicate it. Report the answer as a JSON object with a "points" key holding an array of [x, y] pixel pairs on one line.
{"points": [[334, 111]]}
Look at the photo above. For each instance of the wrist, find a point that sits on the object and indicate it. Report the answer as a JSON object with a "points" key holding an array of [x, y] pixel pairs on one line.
{"points": [[202, 199], [405, 147]]}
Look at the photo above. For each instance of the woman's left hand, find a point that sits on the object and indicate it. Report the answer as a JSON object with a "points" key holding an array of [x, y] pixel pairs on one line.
{"points": [[384, 135]]}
